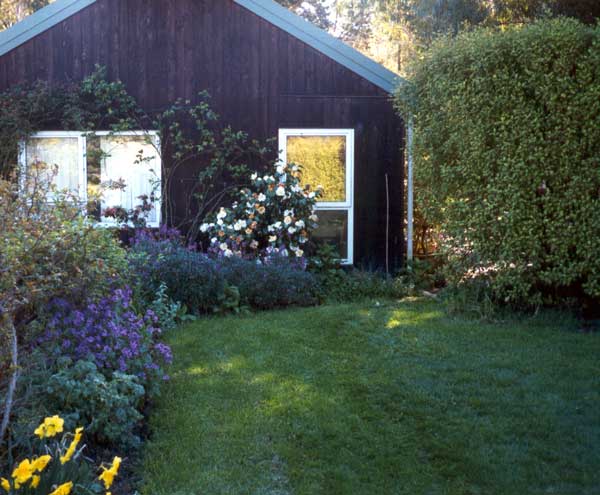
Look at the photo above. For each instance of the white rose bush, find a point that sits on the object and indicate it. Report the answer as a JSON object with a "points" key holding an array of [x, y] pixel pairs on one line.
{"points": [[273, 217]]}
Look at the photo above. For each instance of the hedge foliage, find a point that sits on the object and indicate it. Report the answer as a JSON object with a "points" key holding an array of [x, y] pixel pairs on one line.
{"points": [[507, 157]]}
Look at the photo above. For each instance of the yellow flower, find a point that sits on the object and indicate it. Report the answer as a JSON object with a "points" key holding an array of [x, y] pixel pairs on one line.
{"points": [[63, 489], [40, 463], [71, 450], [23, 472], [5, 484], [108, 475], [35, 481], [50, 427]]}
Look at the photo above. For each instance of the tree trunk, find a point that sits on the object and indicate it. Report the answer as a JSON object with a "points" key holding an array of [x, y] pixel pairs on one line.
{"points": [[7, 322]]}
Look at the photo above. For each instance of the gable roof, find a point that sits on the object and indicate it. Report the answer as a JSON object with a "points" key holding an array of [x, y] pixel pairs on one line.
{"points": [[272, 12]]}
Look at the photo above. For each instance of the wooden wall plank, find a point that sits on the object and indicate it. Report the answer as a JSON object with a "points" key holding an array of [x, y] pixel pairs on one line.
{"points": [[260, 77]]}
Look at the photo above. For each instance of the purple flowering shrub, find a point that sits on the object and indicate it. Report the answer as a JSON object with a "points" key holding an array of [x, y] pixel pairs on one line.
{"points": [[112, 335]]}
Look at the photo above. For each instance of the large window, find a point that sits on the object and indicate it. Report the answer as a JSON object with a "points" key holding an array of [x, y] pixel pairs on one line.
{"points": [[326, 157], [118, 167]]}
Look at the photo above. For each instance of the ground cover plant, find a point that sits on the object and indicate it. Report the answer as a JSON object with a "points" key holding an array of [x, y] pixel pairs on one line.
{"points": [[377, 397], [506, 149]]}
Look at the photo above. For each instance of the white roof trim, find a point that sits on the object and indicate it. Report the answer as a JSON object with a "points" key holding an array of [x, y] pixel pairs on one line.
{"points": [[38, 22], [269, 10]]}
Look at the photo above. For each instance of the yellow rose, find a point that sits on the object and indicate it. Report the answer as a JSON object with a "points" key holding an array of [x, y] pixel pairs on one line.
{"points": [[63, 489], [50, 427], [35, 481], [40, 463], [71, 450], [5, 484], [23, 472], [108, 475]]}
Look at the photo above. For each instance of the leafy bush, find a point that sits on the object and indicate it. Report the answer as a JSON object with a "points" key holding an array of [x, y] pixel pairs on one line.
{"points": [[110, 334], [168, 312], [218, 284], [272, 284], [274, 216], [339, 284], [507, 146], [48, 251], [108, 406]]}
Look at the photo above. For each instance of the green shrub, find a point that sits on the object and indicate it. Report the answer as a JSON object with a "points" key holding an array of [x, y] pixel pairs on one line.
{"points": [[108, 408], [218, 284], [276, 284], [507, 158]]}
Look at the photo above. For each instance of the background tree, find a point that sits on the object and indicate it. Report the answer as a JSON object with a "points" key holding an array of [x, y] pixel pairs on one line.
{"points": [[315, 11], [13, 11]]}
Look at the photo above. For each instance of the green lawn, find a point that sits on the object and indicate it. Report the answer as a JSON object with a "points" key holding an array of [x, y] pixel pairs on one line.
{"points": [[367, 399]]}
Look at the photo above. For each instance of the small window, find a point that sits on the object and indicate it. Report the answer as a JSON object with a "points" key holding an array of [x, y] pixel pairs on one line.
{"points": [[131, 159], [327, 159], [85, 164], [58, 156]]}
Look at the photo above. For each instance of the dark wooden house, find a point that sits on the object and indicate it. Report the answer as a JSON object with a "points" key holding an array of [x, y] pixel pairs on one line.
{"points": [[269, 73]]}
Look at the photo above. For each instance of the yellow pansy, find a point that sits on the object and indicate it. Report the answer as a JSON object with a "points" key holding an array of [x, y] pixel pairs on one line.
{"points": [[50, 427], [71, 450], [40, 463], [108, 475], [63, 489], [5, 484], [35, 481], [23, 472]]}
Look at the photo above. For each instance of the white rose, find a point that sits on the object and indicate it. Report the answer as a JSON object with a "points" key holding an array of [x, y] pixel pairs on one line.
{"points": [[299, 253], [254, 176], [222, 213], [220, 221], [214, 240], [291, 230], [280, 168], [272, 238], [277, 225], [280, 191], [204, 227], [261, 197], [287, 220], [228, 253], [300, 224], [223, 246]]}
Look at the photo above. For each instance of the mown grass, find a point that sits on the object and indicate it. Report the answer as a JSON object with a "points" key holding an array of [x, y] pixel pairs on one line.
{"points": [[367, 399]]}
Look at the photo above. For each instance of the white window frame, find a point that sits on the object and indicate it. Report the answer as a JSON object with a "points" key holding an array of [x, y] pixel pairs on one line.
{"points": [[155, 139], [82, 162], [348, 204]]}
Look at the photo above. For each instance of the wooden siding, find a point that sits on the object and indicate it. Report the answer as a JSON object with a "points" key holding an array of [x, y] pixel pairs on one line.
{"points": [[260, 79]]}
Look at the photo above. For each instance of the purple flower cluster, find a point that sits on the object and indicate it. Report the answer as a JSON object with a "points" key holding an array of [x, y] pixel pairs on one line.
{"points": [[110, 333]]}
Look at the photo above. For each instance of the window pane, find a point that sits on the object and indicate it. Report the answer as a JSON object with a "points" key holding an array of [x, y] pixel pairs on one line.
{"points": [[129, 160], [56, 158], [323, 161], [333, 229]]}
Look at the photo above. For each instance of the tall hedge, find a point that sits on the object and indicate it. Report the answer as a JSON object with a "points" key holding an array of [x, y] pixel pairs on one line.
{"points": [[507, 157]]}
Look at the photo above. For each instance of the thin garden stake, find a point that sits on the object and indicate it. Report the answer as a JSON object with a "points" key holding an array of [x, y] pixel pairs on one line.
{"points": [[387, 226]]}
